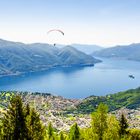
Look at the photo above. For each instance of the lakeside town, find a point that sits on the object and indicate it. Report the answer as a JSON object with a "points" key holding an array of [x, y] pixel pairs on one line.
{"points": [[54, 109]]}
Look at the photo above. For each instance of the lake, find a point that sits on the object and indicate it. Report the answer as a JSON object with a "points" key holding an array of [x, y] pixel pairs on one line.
{"points": [[108, 77]]}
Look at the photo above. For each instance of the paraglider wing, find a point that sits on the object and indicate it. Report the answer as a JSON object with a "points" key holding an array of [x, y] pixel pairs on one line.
{"points": [[57, 30]]}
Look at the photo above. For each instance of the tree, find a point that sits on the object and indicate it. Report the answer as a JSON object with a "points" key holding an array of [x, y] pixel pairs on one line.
{"points": [[87, 134], [14, 121], [112, 132], [123, 125], [61, 136], [74, 132], [50, 132], [21, 123], [1, 129], [27, 110], [134, 134], [99, 121], [36, 130]]}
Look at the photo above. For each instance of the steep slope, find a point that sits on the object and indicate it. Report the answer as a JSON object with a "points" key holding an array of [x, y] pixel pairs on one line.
{"points": [[88, 49], [130, 52], [129, 99], [17, 57], [70, 55]]}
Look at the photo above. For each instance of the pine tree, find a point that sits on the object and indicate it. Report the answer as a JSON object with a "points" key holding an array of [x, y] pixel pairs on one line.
{"points": [[87, 134], [112, 132], [27, 110], [61, 136], [134, 134], [21, 123], [99, 121], [50, 132], [123, 125], [14, 121], [36, 130], [74, 132], [1, 130]]}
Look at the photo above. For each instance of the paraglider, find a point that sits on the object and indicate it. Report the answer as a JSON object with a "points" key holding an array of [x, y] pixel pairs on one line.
{"points": [[55, 30]]}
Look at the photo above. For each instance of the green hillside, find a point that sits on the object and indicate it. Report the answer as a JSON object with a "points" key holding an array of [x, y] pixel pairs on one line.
{"points": [[129, 99]]}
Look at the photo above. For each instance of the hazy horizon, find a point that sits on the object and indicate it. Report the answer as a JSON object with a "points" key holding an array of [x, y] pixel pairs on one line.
{"points": [[16, 41], [99, 22]]}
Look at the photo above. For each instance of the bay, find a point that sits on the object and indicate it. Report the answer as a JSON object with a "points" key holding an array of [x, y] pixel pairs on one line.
{"points": [[108, 77]]}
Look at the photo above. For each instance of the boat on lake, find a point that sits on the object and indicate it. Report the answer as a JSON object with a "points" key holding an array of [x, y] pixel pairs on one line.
{"points": [[132, 76]]}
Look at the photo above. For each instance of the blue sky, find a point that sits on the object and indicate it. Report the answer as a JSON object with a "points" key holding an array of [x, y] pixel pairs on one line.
{"points": [[102, 22]]}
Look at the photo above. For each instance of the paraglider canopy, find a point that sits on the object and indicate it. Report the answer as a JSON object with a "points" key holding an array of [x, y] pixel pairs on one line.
{"points": [[55, 30]]}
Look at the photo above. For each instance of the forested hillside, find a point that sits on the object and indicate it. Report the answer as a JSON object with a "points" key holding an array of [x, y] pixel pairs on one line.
{"points": [[16, 58], [129, 99]]}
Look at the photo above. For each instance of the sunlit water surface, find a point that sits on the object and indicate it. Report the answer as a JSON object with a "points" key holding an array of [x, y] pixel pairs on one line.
{"points": [[110, 76]]}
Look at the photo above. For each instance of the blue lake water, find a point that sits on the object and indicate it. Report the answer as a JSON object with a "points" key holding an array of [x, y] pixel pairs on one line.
{"points": [[108, 77]]}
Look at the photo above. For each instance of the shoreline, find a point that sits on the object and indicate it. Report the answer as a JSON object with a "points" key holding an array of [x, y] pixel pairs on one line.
{"points": [[46, 69]]}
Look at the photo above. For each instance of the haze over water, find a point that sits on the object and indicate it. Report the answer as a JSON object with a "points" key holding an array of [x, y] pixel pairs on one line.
{"points": [[107, 77]]}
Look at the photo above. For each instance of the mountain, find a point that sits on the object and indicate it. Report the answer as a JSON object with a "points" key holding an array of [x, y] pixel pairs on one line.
{"points": [[75, 57], [16, 57], [88, 49], [130, 52]]}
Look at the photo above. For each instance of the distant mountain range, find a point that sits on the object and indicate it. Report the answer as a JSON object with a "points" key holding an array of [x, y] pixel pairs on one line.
{"points": [[16, 57], [88, 49], [130, 52]]}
